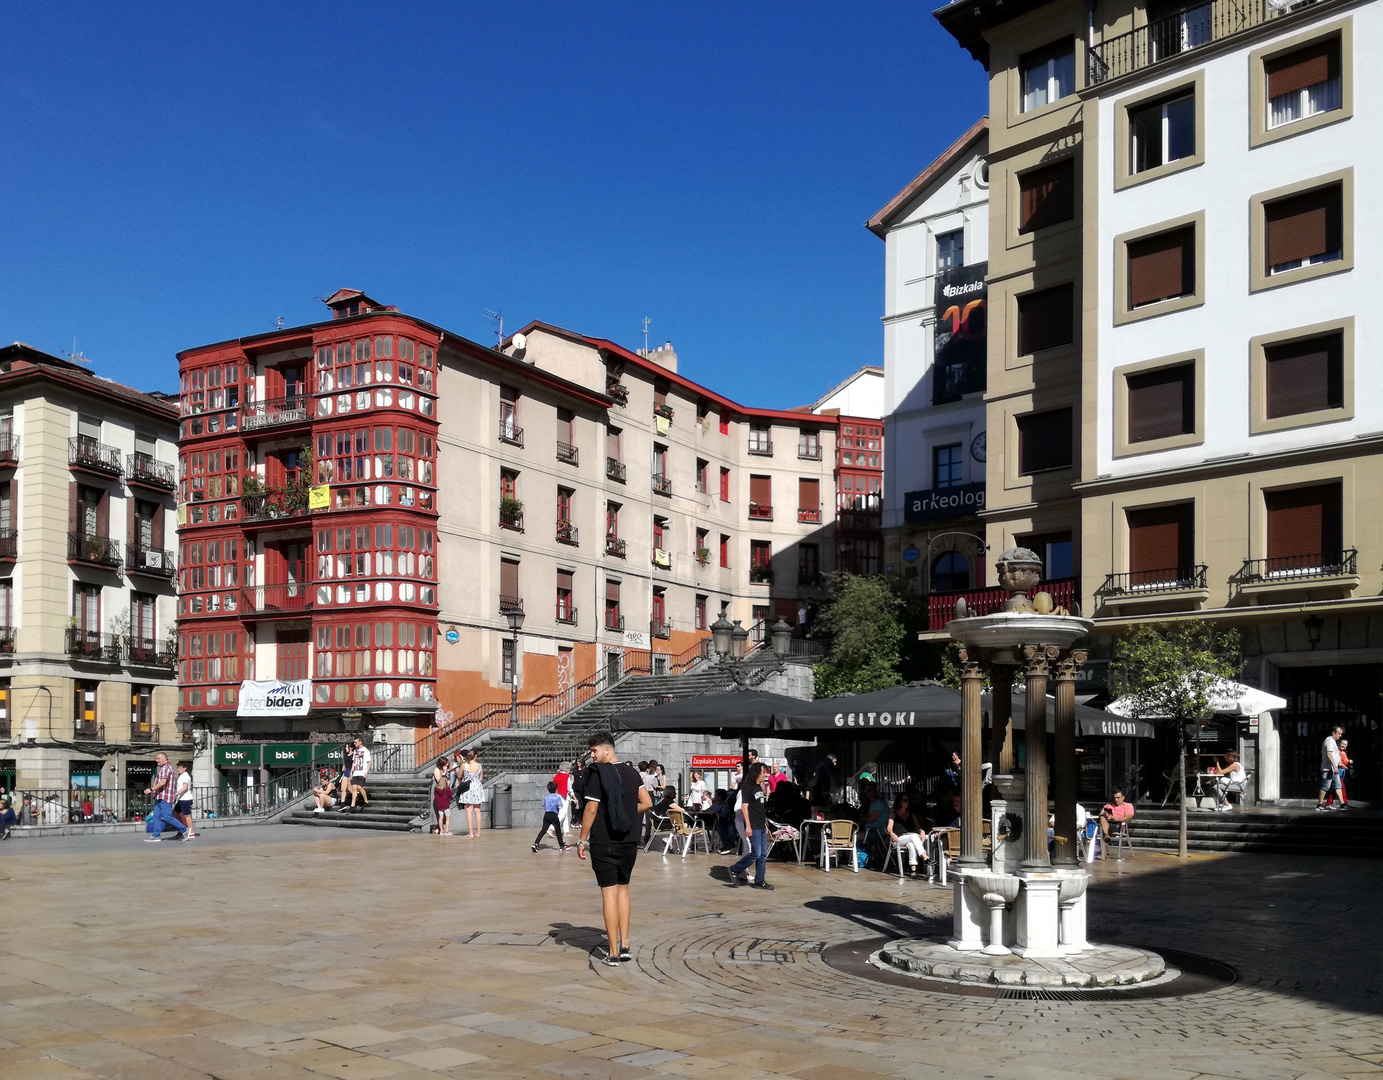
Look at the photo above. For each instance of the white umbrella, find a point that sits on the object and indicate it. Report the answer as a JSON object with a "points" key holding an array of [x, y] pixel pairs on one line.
{"points": [[1226, 696]]}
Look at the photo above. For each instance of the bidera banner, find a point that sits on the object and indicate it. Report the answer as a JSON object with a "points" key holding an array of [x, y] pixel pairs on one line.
{"points": [[275, 698]]}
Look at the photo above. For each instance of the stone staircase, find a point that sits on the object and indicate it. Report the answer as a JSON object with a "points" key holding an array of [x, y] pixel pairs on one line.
{"points": [[395, 801], [1357, 832]]}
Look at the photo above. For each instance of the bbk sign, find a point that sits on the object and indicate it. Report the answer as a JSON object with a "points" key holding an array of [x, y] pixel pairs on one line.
{"points": [[943, 502], [275, 698]]}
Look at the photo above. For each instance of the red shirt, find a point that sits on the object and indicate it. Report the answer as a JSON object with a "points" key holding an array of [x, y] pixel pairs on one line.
{"points": [[562, 780]]}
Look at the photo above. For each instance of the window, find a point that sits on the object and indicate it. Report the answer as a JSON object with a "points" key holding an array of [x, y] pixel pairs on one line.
{"points": [[808, 499], [508, 484], [659, 609], [564, 504], [1047, 196], [1055, 551], [760, 562], [566, 427], [143, 633], [612, 615], [948, 466], [1162, 132], [703, 469], [509, 597], [86, 610], [1044, 441], [89, 511], [1161, 403], [761, 497], [141, 711], [612, 520], [508, 669], [1162, 267], [724, 485], [1161, 543], [1046, 319], [703, 546], [724, 424], [509, 430], [950, 572], [291, 647], [760, 439], [808, 564], [1049, 74], [1305, 82], [950, 250], [566, 613], [724, 550], [660, 461], [1303, 230], [809, 445], [84, 707], [660, 533], [1304, 528], [1304, 376], [700, 612]]}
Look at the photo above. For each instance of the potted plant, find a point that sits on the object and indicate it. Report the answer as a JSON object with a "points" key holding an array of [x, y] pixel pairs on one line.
{"points": [[703, 555]]}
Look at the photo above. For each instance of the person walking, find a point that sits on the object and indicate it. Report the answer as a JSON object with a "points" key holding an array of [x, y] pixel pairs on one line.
{"points": [[182, 798], [562, 778], [754, 810], [162, 790], [552, 819], [1330, 766], [441, 795], [360, 773], [472, 795], [614, 799], [1344, 775]]}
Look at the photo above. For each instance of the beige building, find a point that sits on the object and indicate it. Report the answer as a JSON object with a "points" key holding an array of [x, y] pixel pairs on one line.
{"points": [[86, 579]]}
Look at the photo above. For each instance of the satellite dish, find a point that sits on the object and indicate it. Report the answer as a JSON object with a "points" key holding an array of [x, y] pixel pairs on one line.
{"points": [[519, 341]]}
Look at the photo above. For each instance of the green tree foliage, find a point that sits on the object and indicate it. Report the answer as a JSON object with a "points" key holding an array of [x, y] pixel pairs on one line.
{"points": [[863, 620], [1169, 674]]}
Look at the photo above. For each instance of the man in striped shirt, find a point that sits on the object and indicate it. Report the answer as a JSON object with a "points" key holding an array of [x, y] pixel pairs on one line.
{"points": [[163, 792]]}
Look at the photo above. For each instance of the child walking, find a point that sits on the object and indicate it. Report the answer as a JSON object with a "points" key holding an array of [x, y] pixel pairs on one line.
{"points": [[552, 806]]}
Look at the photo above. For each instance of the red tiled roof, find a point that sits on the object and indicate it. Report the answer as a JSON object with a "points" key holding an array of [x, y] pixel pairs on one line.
{"points": [[879, 223]]}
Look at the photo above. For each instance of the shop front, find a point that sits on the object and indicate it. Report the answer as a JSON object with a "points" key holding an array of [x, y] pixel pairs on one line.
{"points": [[239, 782]]}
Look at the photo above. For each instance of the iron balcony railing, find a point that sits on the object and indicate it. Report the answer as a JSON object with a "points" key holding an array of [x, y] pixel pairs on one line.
{"points": [[9, 446], [665, 411], [614, 622], [661, 630], [812, 516], [276, 412], [1192, 27], [662, 559], [94, 646], [615, 470], [566, 532], [510, 432], [97, 550], [566, 452], [272, 506], [144, 469], [511, 519], [619, 392], [1152, 582], [566, 614], [106, 806], [7, 641], [150, 561], [144, 733], [760, 575], [84, 452], [809, 453], [809, 578], [761, 446], [145, 652], [615, 546], [1288, 568], [9, 544], [88, 731], [760, 511], [290, 599], [941, 607], [661, 484], [510, 604]]}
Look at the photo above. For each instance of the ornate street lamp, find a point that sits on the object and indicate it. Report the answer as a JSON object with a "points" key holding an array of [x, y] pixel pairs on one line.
{"points": [[515, 618], [739, 641], [720, 633], [781, 633]]}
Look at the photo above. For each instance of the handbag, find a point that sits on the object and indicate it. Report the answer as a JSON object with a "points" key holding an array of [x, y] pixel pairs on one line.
{"points": [[463, 782]]}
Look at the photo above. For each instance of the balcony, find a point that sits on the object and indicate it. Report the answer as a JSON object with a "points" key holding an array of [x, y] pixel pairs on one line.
{"points": [[7, 634], [88, 731], [149, 561], [1330, 572], [664, 412], [663, 630], [662, 485], [149, 472], [510, 432], [809, 516], [510, 604], [809, 453], [142, 652], [762, 447], [614, 469], [619, 392], [614, 622], [143, 733], [1177, 584], [809, 579], [566, 533], [84, 452], [94, 550], [9, 448], [566, 614], [760, 511], [760, 575], [9, 544], [941, 607], [272, 507], [93, 646], [276, 413], [662, 559], [566, 453], [1163, 39], [615, 546], [511, 518], [273, 601]]}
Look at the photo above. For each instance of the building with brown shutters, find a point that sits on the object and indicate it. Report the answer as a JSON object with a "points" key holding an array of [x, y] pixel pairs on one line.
{"points": [[1172, 367], [87, 655]]}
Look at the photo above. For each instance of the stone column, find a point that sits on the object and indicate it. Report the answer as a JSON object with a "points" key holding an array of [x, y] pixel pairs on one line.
{"points": [[971, 750], [1001, 738], [1065, 771], [1035, 744]]}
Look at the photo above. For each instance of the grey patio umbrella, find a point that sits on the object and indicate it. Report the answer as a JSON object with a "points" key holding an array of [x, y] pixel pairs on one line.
{"points": [[732, 715], [899, 708]]}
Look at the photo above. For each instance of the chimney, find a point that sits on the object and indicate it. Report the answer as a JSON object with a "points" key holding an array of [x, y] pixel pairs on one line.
{"points": [[664, 356]]}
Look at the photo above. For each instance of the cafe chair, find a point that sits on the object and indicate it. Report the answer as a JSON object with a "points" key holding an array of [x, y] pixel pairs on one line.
{"points": [[840, 840]]}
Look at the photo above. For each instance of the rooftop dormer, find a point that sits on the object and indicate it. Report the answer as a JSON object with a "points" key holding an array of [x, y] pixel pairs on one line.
{"points": [[347, 302]]}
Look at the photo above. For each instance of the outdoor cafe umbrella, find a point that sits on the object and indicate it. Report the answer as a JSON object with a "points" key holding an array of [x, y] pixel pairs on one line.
{"points": [[899, 708], [1226, 697], [736, 714], [1090, 723]]}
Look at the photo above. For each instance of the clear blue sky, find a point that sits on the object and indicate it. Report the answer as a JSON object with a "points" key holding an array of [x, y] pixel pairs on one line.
{"points": [[175, 174]]}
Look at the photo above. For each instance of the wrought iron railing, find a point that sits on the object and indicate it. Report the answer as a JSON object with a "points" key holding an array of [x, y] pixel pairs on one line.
{"points": [[9, 544], [661, 630], [509, 604], [614, 622], [143, 733], [144, 652], [511, 519], [7, 634], [665, 411], [566, 532], [9, 446], [566, 614], [1192, 27], [87, 453], [661, 484], [809, 453], [1288, 568], [271, 600], [106, 806], [151, 561], [566, 452], [760, 575], [761, 446], [760, 511], [97, 550], [273, 506], [809, 578], [141, 468], [510, 432], [811, 516], [276, 412], [615, 469], [1152, 582], [662, 559], [941, 607], [619, 392], [615, 546]]}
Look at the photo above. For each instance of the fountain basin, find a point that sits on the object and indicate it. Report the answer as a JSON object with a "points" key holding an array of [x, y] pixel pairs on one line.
{"points": [[1011, 629]]}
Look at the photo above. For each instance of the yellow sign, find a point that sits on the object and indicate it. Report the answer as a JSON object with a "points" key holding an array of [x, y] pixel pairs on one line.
{"points": [[319, 497]]}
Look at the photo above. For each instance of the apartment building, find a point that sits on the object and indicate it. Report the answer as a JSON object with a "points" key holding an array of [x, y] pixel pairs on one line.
{"points": [[87, 689], [936, 250], [1212, 174]]}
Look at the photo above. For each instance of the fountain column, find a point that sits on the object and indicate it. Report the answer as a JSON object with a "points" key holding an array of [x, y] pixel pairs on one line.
{"points": [[1001, 738], [1065, 770], [1035, 749], [971, 750]]}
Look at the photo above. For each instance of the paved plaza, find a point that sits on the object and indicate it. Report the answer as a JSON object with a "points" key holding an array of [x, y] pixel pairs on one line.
{"points": [[282, 953]]}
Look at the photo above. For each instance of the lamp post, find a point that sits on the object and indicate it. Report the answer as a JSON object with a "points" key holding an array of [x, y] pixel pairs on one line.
{"points": [[739, 641], [515, 618], [781, 634], [720, 634]]}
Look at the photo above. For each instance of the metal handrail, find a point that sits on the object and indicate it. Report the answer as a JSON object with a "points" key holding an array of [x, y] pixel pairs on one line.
{"points": [[271, 507], [88, 453], [566, 532], [762, 447], [1192, 27], [662, 485], [810, 516], [511, 519], [145, 560], [566, 616], [509, 604], [145, 652], [93, 645], [510, 432], [286, 599], [616, 547], [761, 511], [760, 575], [9, 544], [9, 445], [101, 550], [567, 453]]}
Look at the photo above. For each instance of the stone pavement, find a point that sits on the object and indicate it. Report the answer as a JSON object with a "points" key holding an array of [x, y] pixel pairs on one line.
{"points": [[281, 953]]}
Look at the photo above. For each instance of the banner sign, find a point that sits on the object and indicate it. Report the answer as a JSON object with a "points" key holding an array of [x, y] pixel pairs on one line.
{"points": [[237, 756], [715, 761], [948, 502], [958, 360], [275, 698], [319, 497], [326, 753], [286, 755]]}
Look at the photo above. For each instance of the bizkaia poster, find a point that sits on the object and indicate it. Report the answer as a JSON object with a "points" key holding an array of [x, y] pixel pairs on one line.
{"points": [[958, 366]]}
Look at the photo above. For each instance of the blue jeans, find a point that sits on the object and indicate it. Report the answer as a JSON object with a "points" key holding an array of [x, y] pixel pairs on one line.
{"points": [[162, 816], [758, 854]]}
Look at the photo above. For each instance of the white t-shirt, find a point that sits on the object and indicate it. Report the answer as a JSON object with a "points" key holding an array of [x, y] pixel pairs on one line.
{"points": [[1234, 774], [1330, 754], [182, 786], [360, 763]]}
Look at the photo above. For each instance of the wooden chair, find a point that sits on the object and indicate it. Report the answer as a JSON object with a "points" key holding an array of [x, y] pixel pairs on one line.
{"points": [[679, 828], [839, 839]]}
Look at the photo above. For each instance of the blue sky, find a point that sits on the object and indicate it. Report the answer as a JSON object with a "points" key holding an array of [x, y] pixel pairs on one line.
{"points": [[179, 174]]}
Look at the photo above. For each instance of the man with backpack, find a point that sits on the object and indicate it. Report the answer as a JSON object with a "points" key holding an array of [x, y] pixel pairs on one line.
{"points": [[615, 796]]}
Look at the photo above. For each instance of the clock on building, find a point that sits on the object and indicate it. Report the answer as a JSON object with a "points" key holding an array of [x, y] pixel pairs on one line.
{"points": [[977, 447]]}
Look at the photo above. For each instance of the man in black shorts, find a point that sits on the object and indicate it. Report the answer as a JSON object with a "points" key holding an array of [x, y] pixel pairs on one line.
{"points": [[615, 797]]}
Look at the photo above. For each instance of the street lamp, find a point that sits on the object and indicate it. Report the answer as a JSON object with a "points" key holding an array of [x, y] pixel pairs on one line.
{"points": [[1314, 625], [739, 640], [720, 633], [781, 633], [515, 618]]}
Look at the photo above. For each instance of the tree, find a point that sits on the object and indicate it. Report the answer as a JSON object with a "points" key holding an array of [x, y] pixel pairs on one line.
{"points": [[863, 621], [1170, 675]]}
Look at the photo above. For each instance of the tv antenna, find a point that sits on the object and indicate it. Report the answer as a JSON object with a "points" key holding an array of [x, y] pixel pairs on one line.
{"points": [[646, 321], [498, 318], [76, 356], [280, 323]]}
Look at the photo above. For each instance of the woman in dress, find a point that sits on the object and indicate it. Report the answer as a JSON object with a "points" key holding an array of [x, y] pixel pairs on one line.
{"points": [[697, 798], [474, 795], [441, 795]]}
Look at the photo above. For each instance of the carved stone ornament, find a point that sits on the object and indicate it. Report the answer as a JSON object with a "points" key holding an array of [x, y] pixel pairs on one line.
{"points": [[1069, 666], [1038, 657], [1019, 572]]}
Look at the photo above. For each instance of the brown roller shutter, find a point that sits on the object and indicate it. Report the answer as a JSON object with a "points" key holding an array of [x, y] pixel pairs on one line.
{"points": [[508, 578], [808, 494], [1162, 404], [131, 519], [1304, 376], [761, 490], [1046, 319], [1048, 196], [1161, 267], [1303, 523], [564, 579], [103, 515], [1305, 67], [72, 524], [156, 530], [1303, 227], [612, 591], [1044, 441], [1160, 543]]}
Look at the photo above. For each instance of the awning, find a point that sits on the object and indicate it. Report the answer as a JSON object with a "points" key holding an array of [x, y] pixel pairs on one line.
{"points": [[1090, 723], [741, 712], [899, 708], [1227, 698]]}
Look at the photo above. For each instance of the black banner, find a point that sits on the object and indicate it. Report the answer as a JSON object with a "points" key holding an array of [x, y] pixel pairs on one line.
{"points": [[962, 317]]}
